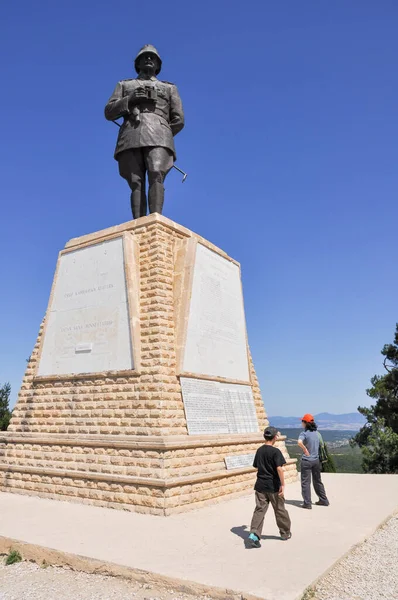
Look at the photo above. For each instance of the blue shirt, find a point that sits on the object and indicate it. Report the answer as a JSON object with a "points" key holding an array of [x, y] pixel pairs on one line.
{"points": [[310, 440]]}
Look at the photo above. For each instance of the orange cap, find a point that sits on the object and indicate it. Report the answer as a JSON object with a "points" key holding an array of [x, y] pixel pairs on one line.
{"points": [[308, 418]]}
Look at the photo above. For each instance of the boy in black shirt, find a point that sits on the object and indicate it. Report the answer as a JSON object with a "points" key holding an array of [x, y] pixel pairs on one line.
{"points": [[270, 486]]}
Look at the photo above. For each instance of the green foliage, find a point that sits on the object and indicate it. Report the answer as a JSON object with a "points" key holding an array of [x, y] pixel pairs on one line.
{"points": [[5, 413], [13, 557], [379, 445], [378, 438], [348, 459], [385, 388]]}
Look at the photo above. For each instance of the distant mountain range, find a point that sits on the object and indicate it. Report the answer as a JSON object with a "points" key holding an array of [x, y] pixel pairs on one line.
{"points": [[349, 421]]}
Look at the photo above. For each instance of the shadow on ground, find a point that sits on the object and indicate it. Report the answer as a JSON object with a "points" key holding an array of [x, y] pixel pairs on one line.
{"points": [[243, 532], [298, 503]]}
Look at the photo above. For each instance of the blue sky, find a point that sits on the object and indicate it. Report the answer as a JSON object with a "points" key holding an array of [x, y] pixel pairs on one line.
{"points": [[291, 148]]}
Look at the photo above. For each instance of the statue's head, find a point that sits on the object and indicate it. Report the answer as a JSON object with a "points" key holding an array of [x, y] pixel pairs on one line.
{"points": [[148, 61]]}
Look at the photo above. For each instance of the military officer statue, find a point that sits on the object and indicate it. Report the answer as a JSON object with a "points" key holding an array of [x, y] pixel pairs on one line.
{"points": [[152, 115]]}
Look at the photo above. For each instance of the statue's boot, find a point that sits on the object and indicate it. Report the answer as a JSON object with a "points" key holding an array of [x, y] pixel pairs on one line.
{"points": [[155, 196], [138, 203]]}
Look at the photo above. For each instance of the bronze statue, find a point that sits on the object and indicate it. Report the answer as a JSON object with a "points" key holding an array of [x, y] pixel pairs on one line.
{"points": [[152, 115]]}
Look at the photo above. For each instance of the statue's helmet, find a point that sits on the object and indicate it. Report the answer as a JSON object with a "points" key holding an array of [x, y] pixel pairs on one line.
{"points": [[148, 48]]}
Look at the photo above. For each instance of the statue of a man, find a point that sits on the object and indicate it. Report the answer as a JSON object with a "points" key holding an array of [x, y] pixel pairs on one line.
{"points": [[152, 115]]}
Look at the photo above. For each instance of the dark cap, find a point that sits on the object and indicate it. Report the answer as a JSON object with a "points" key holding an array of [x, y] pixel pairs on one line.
{"points": [[270, 433]]}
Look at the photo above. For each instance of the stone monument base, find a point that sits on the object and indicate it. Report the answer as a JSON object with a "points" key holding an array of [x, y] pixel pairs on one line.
{"points": [[159, 476], [140, 393]]}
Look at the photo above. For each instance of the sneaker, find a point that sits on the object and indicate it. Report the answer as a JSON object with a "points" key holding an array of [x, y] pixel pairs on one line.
{"points": [[320, 503], [308, 506], [254, 541], [286, 536]]}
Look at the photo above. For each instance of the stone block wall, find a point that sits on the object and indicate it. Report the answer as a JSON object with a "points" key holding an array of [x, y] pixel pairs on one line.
{"points": [[120, 438], [119, 473]]}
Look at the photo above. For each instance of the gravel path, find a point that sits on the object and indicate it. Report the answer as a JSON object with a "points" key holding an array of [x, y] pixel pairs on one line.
{"points": [[28, 581], [369, 572]]}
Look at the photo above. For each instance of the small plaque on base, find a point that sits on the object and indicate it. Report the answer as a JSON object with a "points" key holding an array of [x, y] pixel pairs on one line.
{"points": [[239, 462]]}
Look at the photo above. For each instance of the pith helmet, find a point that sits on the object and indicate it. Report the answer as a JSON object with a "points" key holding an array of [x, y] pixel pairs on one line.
{"points": [[152, 50]]}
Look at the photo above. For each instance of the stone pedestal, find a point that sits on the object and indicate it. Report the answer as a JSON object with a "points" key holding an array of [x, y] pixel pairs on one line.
{"points": [[140, 392]]}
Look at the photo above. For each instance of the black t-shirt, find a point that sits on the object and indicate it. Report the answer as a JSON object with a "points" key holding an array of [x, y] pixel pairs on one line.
{"points": [[267, 460]]}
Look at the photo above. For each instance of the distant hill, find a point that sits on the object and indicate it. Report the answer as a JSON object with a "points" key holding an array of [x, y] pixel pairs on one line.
{"points": [[348, 421]]}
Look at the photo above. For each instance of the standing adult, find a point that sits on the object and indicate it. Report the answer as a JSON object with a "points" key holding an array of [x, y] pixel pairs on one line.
{"points": [[309, 442], [152, 115]]}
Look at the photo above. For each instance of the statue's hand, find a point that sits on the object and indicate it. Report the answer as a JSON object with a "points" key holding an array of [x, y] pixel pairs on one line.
{"points": [[138, 96]]}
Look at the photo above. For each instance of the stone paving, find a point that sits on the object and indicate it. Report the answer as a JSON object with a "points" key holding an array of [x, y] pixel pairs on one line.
{"points": [[207, 546]]}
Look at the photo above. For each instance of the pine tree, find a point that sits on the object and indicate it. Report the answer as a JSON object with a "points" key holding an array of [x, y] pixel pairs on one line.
{"points": [[378, 438], [5, 413]]}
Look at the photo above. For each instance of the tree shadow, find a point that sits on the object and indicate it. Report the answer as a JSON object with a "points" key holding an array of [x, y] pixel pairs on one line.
{"points": [[243, 532]]}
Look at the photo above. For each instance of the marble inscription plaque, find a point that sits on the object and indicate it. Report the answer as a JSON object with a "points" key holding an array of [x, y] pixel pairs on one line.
{"points": [[216, 332], [239, 462], [212, 407], [239, 408], [204, 408], [88, 328]]}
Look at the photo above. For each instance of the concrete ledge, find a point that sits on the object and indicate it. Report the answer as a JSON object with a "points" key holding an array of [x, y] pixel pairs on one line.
{"points": [[208, 545], [94, 375], [48, 556], [133, 441], [312, 587]]}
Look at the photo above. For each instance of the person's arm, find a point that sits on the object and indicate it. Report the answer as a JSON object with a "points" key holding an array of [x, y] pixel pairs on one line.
{"points": [[281, 475], [118, 105], [176, 111], [302, 446], [279, 463], [255, 462]]}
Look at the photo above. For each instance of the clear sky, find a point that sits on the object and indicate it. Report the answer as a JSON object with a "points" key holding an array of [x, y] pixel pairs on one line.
{"points": [[290, 143]]}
